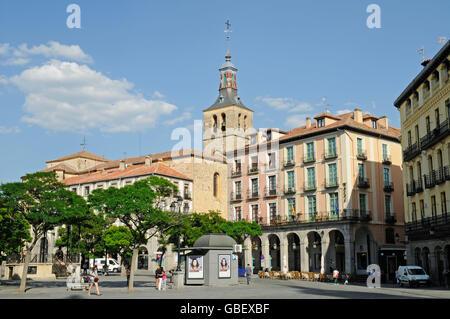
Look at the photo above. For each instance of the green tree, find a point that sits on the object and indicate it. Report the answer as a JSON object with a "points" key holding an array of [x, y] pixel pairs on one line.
{"points": [[241, 230], [138, 208], [14, 230], [118, 240], [41, 200]]}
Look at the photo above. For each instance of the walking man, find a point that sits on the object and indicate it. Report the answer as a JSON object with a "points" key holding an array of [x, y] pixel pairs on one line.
{"points": [[336, 276], [248, 274]]}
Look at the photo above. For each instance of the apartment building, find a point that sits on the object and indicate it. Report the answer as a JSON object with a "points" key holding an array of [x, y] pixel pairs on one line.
{"points": [[424, 112]]}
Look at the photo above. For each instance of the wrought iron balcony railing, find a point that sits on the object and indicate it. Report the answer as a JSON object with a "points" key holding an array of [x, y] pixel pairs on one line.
{"points": [[271, 191], [388, 187], [309, 158], [236, 196], [361, 155], [289, 163], [289, 190], [363, 182], [253, 169]]}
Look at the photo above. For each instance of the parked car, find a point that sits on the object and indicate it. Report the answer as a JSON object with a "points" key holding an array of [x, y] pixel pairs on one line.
{"points": [[113, 265], [413, 276]]}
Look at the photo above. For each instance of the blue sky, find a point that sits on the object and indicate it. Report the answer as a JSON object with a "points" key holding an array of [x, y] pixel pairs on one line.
{"points": [[136, 70]]}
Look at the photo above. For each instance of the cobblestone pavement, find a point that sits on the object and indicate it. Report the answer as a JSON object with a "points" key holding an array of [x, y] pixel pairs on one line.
{"points": [[114, 286]]}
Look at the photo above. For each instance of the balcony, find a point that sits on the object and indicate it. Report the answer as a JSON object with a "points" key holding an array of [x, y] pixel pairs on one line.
{"points": [[289, 163], [387, 160], [410, 189], [310, 187], [270, 192], [427, 227], [390, 219], [237, 172], [411, 151], [309, 159], [440, 176], [363, 182], [289, 190], [361, 155], [235, 196], [430, 180], [388, 187], [364, 216], [253, 169], [252, 194], [434, 136], [330, 155], [187, 195], [331, 183], [447, 173]]}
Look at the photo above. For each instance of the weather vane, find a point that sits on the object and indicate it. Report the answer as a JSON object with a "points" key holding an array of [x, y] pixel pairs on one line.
{"points": [[84, 143], [227, 32], [422, 52]]}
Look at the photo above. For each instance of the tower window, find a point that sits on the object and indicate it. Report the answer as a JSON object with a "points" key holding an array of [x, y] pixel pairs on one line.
{"points": [[224, 122], [216, 184]]}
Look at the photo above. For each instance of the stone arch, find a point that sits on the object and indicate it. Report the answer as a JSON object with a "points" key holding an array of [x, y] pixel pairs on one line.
{"points": [[426, 259], [293, 241], [223, 124], [439, 255], [417, 257], [274, 252], [365, 249], [314, 251], [214, 123], [256, 253], [336, 250], [216, 183]]}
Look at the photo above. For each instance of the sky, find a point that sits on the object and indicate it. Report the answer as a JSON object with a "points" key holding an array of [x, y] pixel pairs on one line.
{"points": [[137, 70]]}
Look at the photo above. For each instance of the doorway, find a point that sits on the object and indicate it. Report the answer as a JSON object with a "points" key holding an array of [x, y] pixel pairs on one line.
{"points": [[391, 268]]}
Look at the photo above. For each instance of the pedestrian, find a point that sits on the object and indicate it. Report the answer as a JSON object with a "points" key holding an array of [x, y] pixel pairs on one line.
{"points": [[163, 279], [128, 271], [336, 276], [93, 280], [158, 275], [346, 279], [85, 268], [248, 274], [285, 272]]}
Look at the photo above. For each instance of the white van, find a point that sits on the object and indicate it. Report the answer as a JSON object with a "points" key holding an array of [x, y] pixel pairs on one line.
{"points": [[413, 276], [113, 265]]}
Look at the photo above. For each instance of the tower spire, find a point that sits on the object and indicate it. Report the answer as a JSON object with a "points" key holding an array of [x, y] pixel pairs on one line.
{"points": [[228, 36]]}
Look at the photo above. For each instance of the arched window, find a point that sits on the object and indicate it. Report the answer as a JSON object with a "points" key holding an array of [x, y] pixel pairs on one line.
{"points": [[215, 122], [440, 159], [245, 122], [239, 120], [224, 121], [216, 185]]}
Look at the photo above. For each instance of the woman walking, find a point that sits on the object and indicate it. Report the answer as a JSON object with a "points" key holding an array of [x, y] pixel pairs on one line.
{"points": [[93, 279]]}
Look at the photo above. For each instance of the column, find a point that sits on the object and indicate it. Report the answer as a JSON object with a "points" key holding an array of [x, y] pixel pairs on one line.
{"points": [[284, 246], [433, 267], [349, 257], [304, 255], [265, 251], [248, 258], [325, 244]]}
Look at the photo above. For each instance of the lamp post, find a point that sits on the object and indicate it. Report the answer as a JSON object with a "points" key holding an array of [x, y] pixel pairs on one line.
{"points": [[173, 206]]}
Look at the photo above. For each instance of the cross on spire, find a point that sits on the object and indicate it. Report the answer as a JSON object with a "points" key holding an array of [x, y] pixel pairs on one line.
{"points": [[227, 32], [84, 143]]}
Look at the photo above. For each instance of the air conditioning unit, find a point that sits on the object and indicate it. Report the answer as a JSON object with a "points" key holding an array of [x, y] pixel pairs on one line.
{"points": [[237, 249]]}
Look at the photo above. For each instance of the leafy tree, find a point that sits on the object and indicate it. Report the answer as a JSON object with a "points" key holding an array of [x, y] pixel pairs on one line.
{"points": [[241, 230], [137, 207], [42, 201], [118, 240], [14, 230]]}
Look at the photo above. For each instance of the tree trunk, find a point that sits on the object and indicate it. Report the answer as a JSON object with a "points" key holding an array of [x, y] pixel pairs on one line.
{"points": [[133, 263], [23, 279]]}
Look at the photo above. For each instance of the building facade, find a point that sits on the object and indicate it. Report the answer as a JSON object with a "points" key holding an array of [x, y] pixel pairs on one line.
{"points": [[328, 194], [424, 112]]}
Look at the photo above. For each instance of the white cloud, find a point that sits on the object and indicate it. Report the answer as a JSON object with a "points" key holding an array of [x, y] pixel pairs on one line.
{"points": [[9, 130], [286, 103], [296, 120], [4, 48], [54, 50], [340, 112], [3, 79], [66, 96], [158, 95], [185, 116], [16, 61]]}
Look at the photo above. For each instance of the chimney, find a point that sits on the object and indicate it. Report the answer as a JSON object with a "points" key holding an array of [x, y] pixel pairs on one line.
{"points": [[148, 161], [308, 122], [357, 115], [383, 122], [122, 165]]}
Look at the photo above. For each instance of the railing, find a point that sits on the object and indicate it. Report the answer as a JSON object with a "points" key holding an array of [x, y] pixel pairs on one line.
{"points": [[330, 155], [310, 187], [289, 163], [236, 172], [434, 136], [268, 192], [331, 183], [440, 176], [430, 180], [289, 190], [387, 160], [235, 196], [252, 194], [363, 182], [390, 218], [411, 151], [361, 155], [388, 187], [410, 189], [253, 169], [437, 223], [187, 195], [309, 158]]}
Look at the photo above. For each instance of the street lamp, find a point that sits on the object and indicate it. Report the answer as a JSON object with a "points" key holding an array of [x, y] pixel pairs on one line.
{"points": [[173, 206]]}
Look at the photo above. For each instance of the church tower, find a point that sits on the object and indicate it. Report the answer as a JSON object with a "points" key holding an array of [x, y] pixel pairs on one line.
{"points": [[226, 122]]}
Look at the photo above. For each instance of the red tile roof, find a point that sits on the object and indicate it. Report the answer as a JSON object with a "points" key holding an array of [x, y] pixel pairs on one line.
{"points": [[82, 154], [130, 171], [61, 167]]}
